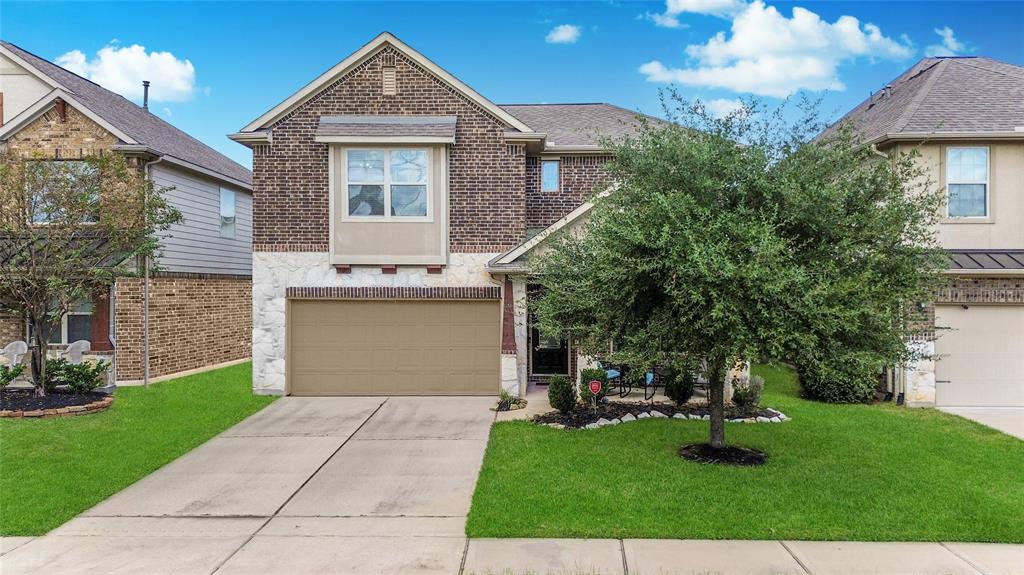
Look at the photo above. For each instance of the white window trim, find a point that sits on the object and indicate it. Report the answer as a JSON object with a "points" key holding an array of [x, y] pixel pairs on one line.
{"points": [[558, 184], [988, 186], [63, 327], [387, 217]]}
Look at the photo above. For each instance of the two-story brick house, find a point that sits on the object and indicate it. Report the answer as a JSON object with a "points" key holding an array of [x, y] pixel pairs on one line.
{"points": [[393, 207], [965, 116], [198, 305]]}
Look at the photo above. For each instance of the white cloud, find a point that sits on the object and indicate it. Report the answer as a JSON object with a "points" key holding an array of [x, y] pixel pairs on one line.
{"points": [[722, 107], [673, 8], [950, 46], [563, 34], [768, 54], [123, 68]]}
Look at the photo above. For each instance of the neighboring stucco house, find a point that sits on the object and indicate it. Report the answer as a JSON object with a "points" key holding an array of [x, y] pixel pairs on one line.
{"points": [[199, 303], [965, 115], [393, 206]]}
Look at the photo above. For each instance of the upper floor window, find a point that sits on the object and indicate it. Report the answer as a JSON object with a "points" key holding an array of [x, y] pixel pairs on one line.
{"points": [[387, 183], [62, 190], [967, 182], [549, 176], [227, 213]]}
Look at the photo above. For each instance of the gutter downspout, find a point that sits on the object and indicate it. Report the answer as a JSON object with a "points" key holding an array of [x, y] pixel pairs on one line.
{"points": [[145, 290]]}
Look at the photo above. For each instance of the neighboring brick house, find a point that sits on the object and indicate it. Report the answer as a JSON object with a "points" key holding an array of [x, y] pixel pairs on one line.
{"points": [[199, 302], [965, 116], [389, 201]]}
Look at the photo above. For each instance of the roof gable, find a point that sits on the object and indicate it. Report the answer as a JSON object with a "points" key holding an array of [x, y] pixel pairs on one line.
{"points": [[129, 121], [358, 57]]}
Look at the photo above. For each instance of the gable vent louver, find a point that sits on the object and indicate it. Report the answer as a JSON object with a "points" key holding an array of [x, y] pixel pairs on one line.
{"points": [[390, 81]]}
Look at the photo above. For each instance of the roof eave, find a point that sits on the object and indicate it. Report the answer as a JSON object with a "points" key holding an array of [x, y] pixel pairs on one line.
{"points": [[924, 136], [250, 139], [144, 149]]}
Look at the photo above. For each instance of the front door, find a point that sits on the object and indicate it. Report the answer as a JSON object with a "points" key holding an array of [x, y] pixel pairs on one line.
{"points": [[548, 355]]}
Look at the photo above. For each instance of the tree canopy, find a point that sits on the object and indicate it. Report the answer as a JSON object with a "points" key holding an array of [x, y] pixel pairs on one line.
{"points": [[721, 240]]}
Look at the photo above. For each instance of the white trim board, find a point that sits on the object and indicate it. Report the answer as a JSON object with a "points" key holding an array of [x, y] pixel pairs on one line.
{"points": [[358, 57]]}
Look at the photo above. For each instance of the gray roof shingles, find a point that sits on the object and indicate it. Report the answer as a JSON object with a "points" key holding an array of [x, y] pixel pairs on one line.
{"points": [[439, 126], [986, 259], [944, 94], [137, 122], [572, 125]]}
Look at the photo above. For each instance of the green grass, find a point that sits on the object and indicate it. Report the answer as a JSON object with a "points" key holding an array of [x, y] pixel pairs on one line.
{"points": [[53, 469], [835, 472]]}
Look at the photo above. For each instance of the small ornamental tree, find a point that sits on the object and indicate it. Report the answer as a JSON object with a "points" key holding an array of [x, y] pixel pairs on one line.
{"points": [[743, 237], [67, 229]]}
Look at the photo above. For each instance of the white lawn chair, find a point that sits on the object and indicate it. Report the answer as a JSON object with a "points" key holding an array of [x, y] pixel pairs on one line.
{"points": [[76, 351], [14, 352]]}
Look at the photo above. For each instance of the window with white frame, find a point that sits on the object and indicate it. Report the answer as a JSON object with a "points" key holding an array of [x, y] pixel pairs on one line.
{"points": [[227, 213], [967, 182], [549, 175], [387, 183], [75, 325]]}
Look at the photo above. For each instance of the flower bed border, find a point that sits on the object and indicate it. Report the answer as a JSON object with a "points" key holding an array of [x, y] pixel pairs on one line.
{"points": [[651, 413], [94, 407]]}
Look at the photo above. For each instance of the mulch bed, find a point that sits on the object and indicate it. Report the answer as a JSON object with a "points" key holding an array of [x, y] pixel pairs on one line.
{"points": [[24, 403], [582, 416], [728, 455]]}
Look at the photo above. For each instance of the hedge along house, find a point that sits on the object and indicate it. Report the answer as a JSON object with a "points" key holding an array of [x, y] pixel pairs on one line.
{"points": [[965, 116], [198, 304], [393, 209]]}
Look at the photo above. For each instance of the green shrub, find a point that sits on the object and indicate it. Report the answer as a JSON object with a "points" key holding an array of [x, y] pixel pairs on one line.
{"points": [[561, 394], [747, 394], [54, 373], [85, 377], [679, 384], [591, 374], [505, 400], [9, 373], [840, 377]]}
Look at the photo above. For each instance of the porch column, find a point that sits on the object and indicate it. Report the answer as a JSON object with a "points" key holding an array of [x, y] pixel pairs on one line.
{"points": [[509, 364], [520, 311]]}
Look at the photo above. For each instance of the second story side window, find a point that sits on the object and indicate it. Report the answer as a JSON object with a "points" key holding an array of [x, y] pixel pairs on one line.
{"points": [[967, 182], [227, 213], [387, 184], [549, 177], [59, 191]]}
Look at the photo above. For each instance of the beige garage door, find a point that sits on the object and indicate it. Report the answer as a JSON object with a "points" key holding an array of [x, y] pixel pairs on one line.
{"points": [[981, 359], [393, 347]]}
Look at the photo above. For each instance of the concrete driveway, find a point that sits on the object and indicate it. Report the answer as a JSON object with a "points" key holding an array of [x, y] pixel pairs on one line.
{"points": [[1009, 420], [322, 485]]}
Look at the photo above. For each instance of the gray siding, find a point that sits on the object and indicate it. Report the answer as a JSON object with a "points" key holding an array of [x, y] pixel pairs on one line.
{"points": [[195, 245]]}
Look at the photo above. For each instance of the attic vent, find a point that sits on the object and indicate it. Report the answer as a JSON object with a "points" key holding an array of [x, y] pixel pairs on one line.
{"points": [[390, 81]]}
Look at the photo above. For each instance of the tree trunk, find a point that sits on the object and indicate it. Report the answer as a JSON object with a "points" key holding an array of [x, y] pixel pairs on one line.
{"points": [[716, 401], [40, 339]]}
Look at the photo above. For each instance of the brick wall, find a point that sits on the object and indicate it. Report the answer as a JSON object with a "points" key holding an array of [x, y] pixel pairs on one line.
{"points": [[11, 329], [578, 177], [195, 321], [968, 290], [75, 136], [486, 176]]}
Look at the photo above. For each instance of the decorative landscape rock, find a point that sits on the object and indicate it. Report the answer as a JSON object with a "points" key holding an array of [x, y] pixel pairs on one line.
{"points": [[615, 412]]}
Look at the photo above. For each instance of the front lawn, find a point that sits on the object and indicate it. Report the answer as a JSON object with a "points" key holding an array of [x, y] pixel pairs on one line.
{"points": [[835, 472], [53, 469]]}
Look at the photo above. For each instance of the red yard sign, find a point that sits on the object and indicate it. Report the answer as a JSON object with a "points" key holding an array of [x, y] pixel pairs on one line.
{"points": [[595, 387]]}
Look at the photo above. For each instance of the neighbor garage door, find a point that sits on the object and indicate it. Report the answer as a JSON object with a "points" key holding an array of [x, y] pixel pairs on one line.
{"points": [[360, 347], [981, 358]]}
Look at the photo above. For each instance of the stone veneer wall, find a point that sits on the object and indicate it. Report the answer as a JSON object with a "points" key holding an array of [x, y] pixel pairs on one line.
{"points": [[195, 321], [275, 272], [578, 176], [919, 376]]}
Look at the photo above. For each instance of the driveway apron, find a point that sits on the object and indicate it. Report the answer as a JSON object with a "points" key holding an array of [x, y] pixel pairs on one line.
{"points": [[307, 485]]}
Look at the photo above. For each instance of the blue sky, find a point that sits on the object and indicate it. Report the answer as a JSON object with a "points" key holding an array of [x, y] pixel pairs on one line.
{"points": [[217, 66]]}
